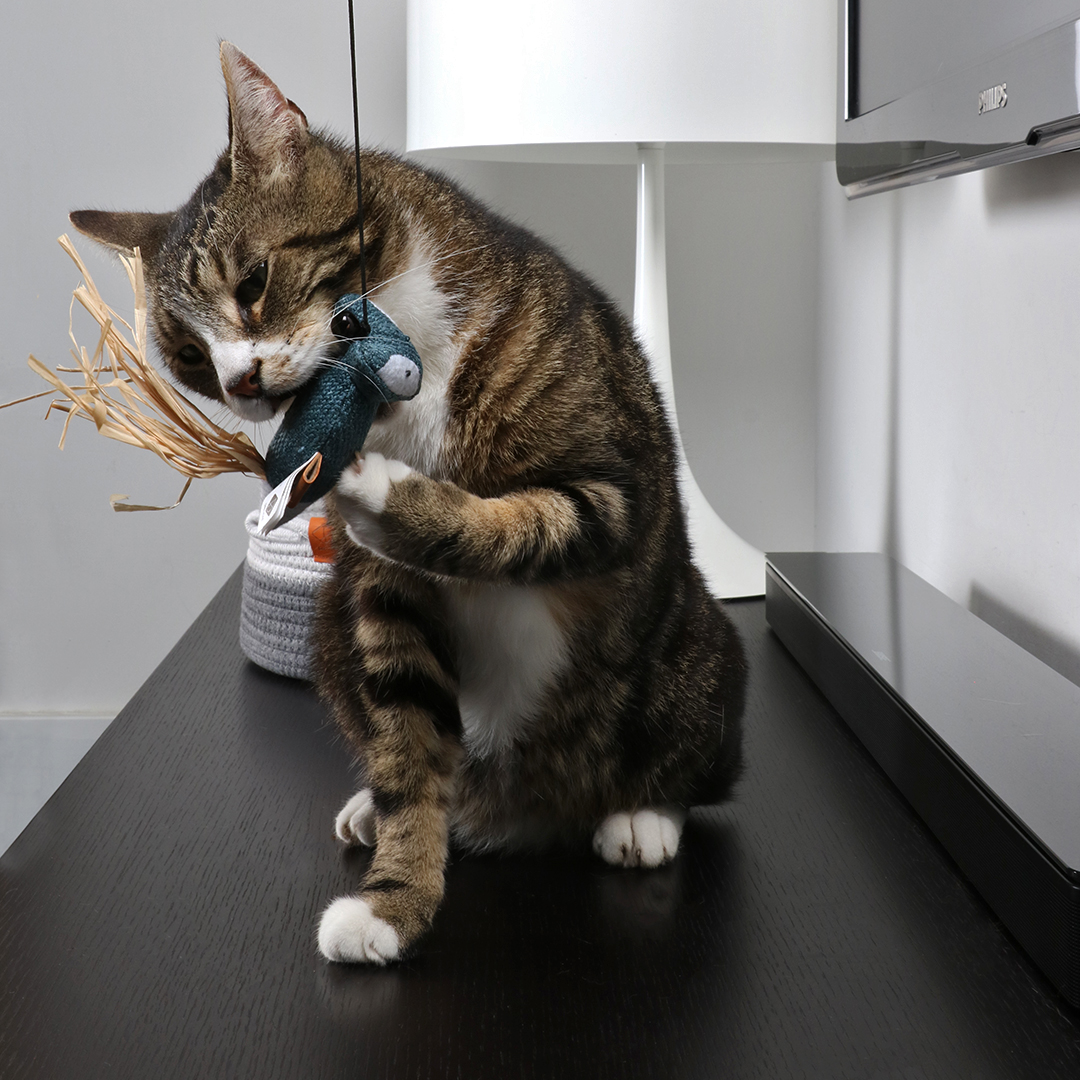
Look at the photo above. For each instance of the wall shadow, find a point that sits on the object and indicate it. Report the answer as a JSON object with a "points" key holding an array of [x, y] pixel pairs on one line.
{"points": [[891, 523], [1044, 644], [1042, 182]]}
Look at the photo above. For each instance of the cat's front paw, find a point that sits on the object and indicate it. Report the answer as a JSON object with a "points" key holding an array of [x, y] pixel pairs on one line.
{"points": [[351, 932], [355, 823], [644, 838], [361, 495]]}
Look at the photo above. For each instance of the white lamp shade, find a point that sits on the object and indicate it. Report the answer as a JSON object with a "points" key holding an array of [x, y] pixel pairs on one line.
{"points": [[590, 79]]}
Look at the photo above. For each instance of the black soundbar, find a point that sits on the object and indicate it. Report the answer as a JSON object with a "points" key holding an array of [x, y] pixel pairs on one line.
{"points": [[979, 736]]}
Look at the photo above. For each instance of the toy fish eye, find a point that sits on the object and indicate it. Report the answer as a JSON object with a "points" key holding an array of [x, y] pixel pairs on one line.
{"points": [[400, 375], [346, 325]]}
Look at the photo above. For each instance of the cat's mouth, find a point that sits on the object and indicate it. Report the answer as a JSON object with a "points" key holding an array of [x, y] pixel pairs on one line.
{"points": [[259, 407], [260, 378], [255, 402]]}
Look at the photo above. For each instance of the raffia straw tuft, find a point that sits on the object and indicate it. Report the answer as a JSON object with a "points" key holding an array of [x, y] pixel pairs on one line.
{"points": [[130, 400]]}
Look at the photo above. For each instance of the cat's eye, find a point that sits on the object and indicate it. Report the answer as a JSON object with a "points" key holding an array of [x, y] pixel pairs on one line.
{"points": [[191, 355], [346, 325], [251, 288]]}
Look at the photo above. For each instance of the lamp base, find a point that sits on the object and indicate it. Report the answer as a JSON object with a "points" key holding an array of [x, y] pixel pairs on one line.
{"points": [[732, 567]]}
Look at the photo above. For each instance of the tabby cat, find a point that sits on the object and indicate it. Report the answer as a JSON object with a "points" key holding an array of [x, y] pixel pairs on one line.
{"points": [[516, 643]]}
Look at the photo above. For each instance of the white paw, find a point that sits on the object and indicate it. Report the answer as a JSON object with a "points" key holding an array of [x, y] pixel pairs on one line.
{"points": [[362, 492], [355, 824], [644, 838], [349, 931], [367, 481]]}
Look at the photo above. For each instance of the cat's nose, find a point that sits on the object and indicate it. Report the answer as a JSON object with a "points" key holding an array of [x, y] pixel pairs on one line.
{"points": [[248, 384]]}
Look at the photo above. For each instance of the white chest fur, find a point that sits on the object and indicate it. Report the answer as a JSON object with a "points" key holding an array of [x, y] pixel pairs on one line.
{"points": [[510, 652], [416, 430]]}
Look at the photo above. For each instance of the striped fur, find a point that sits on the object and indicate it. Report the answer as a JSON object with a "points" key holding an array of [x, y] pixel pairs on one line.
{"points": [[516, 642]]}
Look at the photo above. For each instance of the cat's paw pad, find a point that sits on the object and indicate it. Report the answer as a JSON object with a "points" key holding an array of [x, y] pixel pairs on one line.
{"points": [[355, 823], [367, 481], [644, 838], [349, 931]]}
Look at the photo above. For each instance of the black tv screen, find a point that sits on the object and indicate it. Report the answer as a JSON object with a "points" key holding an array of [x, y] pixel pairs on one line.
{"points": [[932, 87]]}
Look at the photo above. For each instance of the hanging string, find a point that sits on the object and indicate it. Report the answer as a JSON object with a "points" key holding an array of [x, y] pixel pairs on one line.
{"points": [[365, 327]]}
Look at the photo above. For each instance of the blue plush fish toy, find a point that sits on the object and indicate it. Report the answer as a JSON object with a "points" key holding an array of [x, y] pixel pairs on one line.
{"points": [[327, 423]]}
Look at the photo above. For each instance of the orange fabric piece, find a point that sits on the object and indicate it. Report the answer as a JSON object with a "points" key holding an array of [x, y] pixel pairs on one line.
{"points": [[320, 539]]}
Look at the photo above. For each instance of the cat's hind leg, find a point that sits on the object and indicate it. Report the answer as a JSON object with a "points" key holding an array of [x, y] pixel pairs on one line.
{"points": [[645, 838]]}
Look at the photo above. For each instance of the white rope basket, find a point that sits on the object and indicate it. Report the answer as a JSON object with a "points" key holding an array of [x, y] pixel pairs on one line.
{"points": [[281, 582]]}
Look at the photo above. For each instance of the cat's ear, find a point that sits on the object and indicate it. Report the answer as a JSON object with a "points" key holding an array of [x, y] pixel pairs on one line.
{"points": [[267, 131], [123, 231]]}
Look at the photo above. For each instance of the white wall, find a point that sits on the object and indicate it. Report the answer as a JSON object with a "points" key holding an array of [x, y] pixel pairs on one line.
{"points": [[949, 391], [119, 104]]}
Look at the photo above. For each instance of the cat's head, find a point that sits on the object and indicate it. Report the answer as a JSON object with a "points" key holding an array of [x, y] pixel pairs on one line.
{"points": [[242, 279]]}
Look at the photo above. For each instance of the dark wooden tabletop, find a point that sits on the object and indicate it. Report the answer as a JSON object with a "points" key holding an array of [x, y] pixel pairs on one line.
{"points": [[157, 918]]}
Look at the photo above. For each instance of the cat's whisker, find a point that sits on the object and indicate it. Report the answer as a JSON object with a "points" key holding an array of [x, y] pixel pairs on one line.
{"points": [[236, 236], [332, 362], [426, 265], [371, 293]]}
